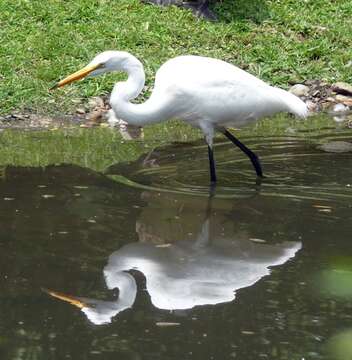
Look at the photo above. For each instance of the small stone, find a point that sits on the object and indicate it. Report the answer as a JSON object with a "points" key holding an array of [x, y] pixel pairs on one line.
{"points": [[316, 93], [346, 100], [336, 147], [325, 105], [14, 117], [96, 102], [312, 106], [340, 108], [299, 90], [339, 119], [310, 82], [96, 116], [76, 101], [342, 88], [80, 111]]}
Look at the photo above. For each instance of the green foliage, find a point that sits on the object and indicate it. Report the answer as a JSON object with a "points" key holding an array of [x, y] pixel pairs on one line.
{"points": [[279, 41], [339, 347]]}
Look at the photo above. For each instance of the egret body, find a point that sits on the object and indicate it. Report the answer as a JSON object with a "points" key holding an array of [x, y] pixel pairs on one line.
{"points": [[207, 93]]}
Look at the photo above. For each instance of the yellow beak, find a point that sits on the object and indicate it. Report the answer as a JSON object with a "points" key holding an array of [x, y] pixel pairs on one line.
{"points": [[80, 74]]}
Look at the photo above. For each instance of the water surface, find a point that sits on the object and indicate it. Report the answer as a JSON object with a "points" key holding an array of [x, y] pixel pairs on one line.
{"points": [[144, 261]]}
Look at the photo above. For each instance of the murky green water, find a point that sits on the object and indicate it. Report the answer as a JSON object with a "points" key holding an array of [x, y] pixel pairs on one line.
{"points": [[142, 263]]}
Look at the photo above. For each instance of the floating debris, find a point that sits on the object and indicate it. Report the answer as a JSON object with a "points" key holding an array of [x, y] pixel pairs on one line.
{"points": [[167, 324], [257, 240], [336, 147], [246, 332], [323, 208]]}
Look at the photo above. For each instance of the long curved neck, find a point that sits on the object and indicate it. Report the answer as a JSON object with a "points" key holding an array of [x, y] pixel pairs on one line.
{"points": [[131, 88], [126, 284], [127, 292], [101, 312], [151, 111]]}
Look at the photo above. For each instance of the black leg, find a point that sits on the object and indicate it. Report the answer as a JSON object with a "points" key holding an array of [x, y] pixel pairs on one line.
{"points": [[212, 164], [252, 156]]}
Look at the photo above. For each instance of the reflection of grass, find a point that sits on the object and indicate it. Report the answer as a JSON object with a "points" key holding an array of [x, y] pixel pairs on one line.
{"points": [[279, 41], [340, 346], [94, 148], [336, 281], [2, 171], [98, 148]]}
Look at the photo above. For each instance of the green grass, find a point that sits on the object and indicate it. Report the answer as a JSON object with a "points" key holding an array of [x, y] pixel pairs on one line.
{"points": [[280, 41]]}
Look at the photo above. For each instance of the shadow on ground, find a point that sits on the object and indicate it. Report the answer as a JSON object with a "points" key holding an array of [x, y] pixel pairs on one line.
{"points": [[236, 10], [221, 10]]}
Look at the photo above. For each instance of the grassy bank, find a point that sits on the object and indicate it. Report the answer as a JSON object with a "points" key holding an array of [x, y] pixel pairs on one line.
{"points": [[280, 41]]}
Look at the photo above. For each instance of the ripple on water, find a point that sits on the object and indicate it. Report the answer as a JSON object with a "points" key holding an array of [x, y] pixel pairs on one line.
{"points": [[294, 168]]}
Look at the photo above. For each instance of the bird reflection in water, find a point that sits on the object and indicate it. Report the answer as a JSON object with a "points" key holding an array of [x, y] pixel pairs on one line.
{"points": [[201, 269]]}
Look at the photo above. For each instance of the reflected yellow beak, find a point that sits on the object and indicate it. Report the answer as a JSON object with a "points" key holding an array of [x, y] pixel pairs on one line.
{"points": [[80, 74], [68, 298]]}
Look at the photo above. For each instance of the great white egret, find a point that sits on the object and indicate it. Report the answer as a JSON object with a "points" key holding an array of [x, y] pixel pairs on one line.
{"points": [[205, 92]]}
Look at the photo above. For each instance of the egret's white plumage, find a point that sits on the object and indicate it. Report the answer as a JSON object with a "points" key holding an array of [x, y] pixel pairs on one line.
{"points": [[184, 274], [207, 93]]}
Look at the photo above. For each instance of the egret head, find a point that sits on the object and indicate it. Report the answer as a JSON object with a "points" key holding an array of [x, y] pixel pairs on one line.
{"points": [[104, 62]]}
